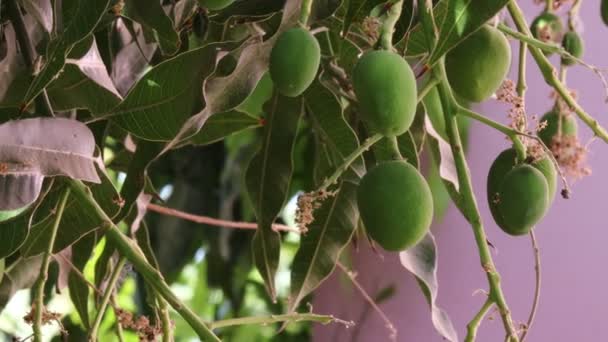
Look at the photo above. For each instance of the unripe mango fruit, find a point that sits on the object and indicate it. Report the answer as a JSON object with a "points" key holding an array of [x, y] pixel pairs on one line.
{"points": [[477, 66], [215, 5], [523, 199], [547, 27], [574, 45], [294, 61], [395, 204], [568, 124], [502, 165], [385, 86]]}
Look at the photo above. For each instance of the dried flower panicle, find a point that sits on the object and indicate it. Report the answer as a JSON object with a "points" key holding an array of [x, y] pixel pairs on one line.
{"points": [[307, 203], [371, 27], [47, 317], [571, 155], [517, 113], [141, 325]]}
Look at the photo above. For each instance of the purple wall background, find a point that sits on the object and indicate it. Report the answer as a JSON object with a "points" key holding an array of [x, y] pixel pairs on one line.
{"points": [[572, 238]]}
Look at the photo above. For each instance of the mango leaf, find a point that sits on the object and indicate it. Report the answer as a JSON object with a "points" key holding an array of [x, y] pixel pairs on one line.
{"points": [[52, 146], [23, 273], [222, 125], [414, 42], [267, 180], [327, 119], [332, 229], [84, 83], [81, 18], [322, 9], [42, 10], [447, 165], [78, 219], [151, 15], [356, 11], [13, 233], [463, 18], [166, 96], [249, 8], [421, 261], [20, 185]]}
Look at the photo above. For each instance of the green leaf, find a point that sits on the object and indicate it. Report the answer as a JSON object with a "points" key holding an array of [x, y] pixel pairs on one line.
{"points": [[463, 18], [79, 218], [328, 121], [13, 232], [414, 43], [267, 179], [356, 11], [322, 9], [332, 229], [78, 287], [421, 261], [81, 17], [150, 14], [23, 274], [222, 125], [166, 96]]}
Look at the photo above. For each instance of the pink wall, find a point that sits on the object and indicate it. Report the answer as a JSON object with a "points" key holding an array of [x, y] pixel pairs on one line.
{"points": [[573, 240]]}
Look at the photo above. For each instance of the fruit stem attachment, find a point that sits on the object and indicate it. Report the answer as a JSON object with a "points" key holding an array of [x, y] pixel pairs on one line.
{"points": [[550, 75], [305, 10], [392, 12], [132, 252], [38, 306], [395, 151], [369, 142]]}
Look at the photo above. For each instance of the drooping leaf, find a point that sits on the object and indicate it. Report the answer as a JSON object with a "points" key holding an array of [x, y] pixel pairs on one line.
{"points": [[221, 125], [333, 227], [84, 83], [267, 179], [463, 18], [20, 185], [166, 96], [42, 10], [328, 120], [151, 15], [79, 217], [23, 274], [81, 253], [52, 146], [421, 261], [447, 166], [81, 18]]}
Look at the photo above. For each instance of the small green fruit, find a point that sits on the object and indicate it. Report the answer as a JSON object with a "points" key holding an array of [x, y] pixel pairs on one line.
{"points": [[556, 124], [523, 199], [547, 27], [215, 5], [502, 165], [477, 66], [395, 204], [294, 61], [385, 86], [573, 44]]}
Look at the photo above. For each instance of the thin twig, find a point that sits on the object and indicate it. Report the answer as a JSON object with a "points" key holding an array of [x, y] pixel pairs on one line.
{"points": [[114, 277], [289, 318], [536, 289], [214, 221], [389, 325], [474, 324]]}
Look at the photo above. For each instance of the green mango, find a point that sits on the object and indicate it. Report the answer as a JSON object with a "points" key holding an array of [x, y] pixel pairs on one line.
{"points": [[478, 65], [523, 199], [573, 44], [395, 204], [385, 86], [547, 27], [569, 126], [294, 61]]}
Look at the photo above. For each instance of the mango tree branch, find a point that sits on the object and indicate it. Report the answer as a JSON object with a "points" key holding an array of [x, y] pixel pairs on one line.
{"points": [[129, 249], [474, 324], [550, 75], [535, 301], [38, 306]]}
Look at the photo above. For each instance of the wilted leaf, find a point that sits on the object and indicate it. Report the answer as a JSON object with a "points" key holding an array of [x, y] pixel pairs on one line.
{"points": [[463, 18], [222, 125], [51, 146], [421, 261], [150, 14], [267, 179], [166, 96], [332, 228], [328, 120], [42, 10], [81, 18], [447, 166]]}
